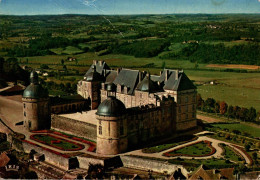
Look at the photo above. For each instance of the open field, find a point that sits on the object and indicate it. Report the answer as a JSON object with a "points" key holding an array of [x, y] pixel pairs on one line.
{"points": [[234, 66], [195, 43], [254, 131]]}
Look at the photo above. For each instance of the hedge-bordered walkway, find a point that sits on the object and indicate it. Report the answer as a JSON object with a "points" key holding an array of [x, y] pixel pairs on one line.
{"points": [[214, 143]]}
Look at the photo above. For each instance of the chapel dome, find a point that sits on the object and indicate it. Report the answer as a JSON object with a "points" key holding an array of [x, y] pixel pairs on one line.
{"points": [[111, 107]]}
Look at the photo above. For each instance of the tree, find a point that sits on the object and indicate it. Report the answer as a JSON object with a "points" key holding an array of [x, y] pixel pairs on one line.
{"points": [[247, 147], [2, 60], [210, 102], [258, 117], [243, 114], [196, 65], [230, 111], [163, 65], [44, 66], [236, 111], [223, 107], [254, 156], [199, 101], [251, 114], [217, 107]]}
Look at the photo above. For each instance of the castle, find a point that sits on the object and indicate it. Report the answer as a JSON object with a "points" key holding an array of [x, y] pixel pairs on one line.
{"points": [[130, 107], [136, 106]]}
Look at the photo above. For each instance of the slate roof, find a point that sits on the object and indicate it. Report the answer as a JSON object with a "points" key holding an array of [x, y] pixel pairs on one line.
{"points": [[128, 78], [203, 173], [110, 76], [93, 75], [148, 85], [99, 68], [180, 83]]}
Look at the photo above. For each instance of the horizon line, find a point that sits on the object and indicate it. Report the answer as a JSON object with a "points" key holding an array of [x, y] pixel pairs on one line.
{"points": [[141, 14]]}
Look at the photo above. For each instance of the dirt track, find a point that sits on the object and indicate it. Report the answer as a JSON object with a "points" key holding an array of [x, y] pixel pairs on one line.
{"points": [[234, 66], [208, 119]]}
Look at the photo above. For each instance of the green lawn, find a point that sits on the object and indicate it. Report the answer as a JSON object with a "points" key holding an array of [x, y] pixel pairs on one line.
{"points": [[254, 131], [195, 149], [194, 163], [68, 50], [230, 154], [172, 143]]}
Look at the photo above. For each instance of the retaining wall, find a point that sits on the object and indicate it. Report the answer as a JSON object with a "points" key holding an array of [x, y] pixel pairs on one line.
{"points": [[74, 127]]}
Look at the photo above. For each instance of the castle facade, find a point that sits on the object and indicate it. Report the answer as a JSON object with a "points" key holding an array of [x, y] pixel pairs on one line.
{"points": [[134, 107]]}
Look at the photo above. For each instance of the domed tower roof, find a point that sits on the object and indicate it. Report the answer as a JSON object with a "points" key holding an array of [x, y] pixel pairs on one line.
{"points": [[93, 75], [35, 90], [111, 107]]}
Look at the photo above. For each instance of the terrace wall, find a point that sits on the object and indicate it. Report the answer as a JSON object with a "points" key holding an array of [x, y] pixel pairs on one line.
{"points": [[154, 165], [77, 128]]}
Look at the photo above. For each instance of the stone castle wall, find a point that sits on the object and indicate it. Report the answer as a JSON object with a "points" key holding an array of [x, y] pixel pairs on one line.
{"points": [[78, 128], [50, 157]]}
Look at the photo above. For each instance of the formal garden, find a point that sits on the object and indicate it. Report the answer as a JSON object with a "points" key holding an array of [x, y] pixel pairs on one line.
{"points": [[87, 142], [57, 142], [197, 149]]}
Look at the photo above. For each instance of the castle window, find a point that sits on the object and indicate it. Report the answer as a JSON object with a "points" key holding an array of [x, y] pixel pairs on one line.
{"points": [[187, 109], [179, 109], [179, 100], [100, 130], [193, 99], [30, 124], [24, 114], [187, 116], [186, 99], [193, 115], [121, 128], [193, 107], [24, 105]]}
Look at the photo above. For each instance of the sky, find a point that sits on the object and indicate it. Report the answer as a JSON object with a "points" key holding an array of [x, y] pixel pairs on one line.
{"points": [[35, 7]]}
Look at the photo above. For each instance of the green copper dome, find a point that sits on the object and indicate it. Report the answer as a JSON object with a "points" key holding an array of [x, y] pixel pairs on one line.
{"points": [[111, 107], [35, 90]]}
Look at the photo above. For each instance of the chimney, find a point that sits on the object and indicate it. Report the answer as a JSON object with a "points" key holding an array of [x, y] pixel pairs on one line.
{"points": [[166, 74], [118, 70], [177, 74], [105, 72], [95, 62], [140, 76], [100, 63]]}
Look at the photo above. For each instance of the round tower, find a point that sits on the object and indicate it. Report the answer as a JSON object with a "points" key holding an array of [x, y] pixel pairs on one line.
{"points": [[36, 107], [111, 127]]}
